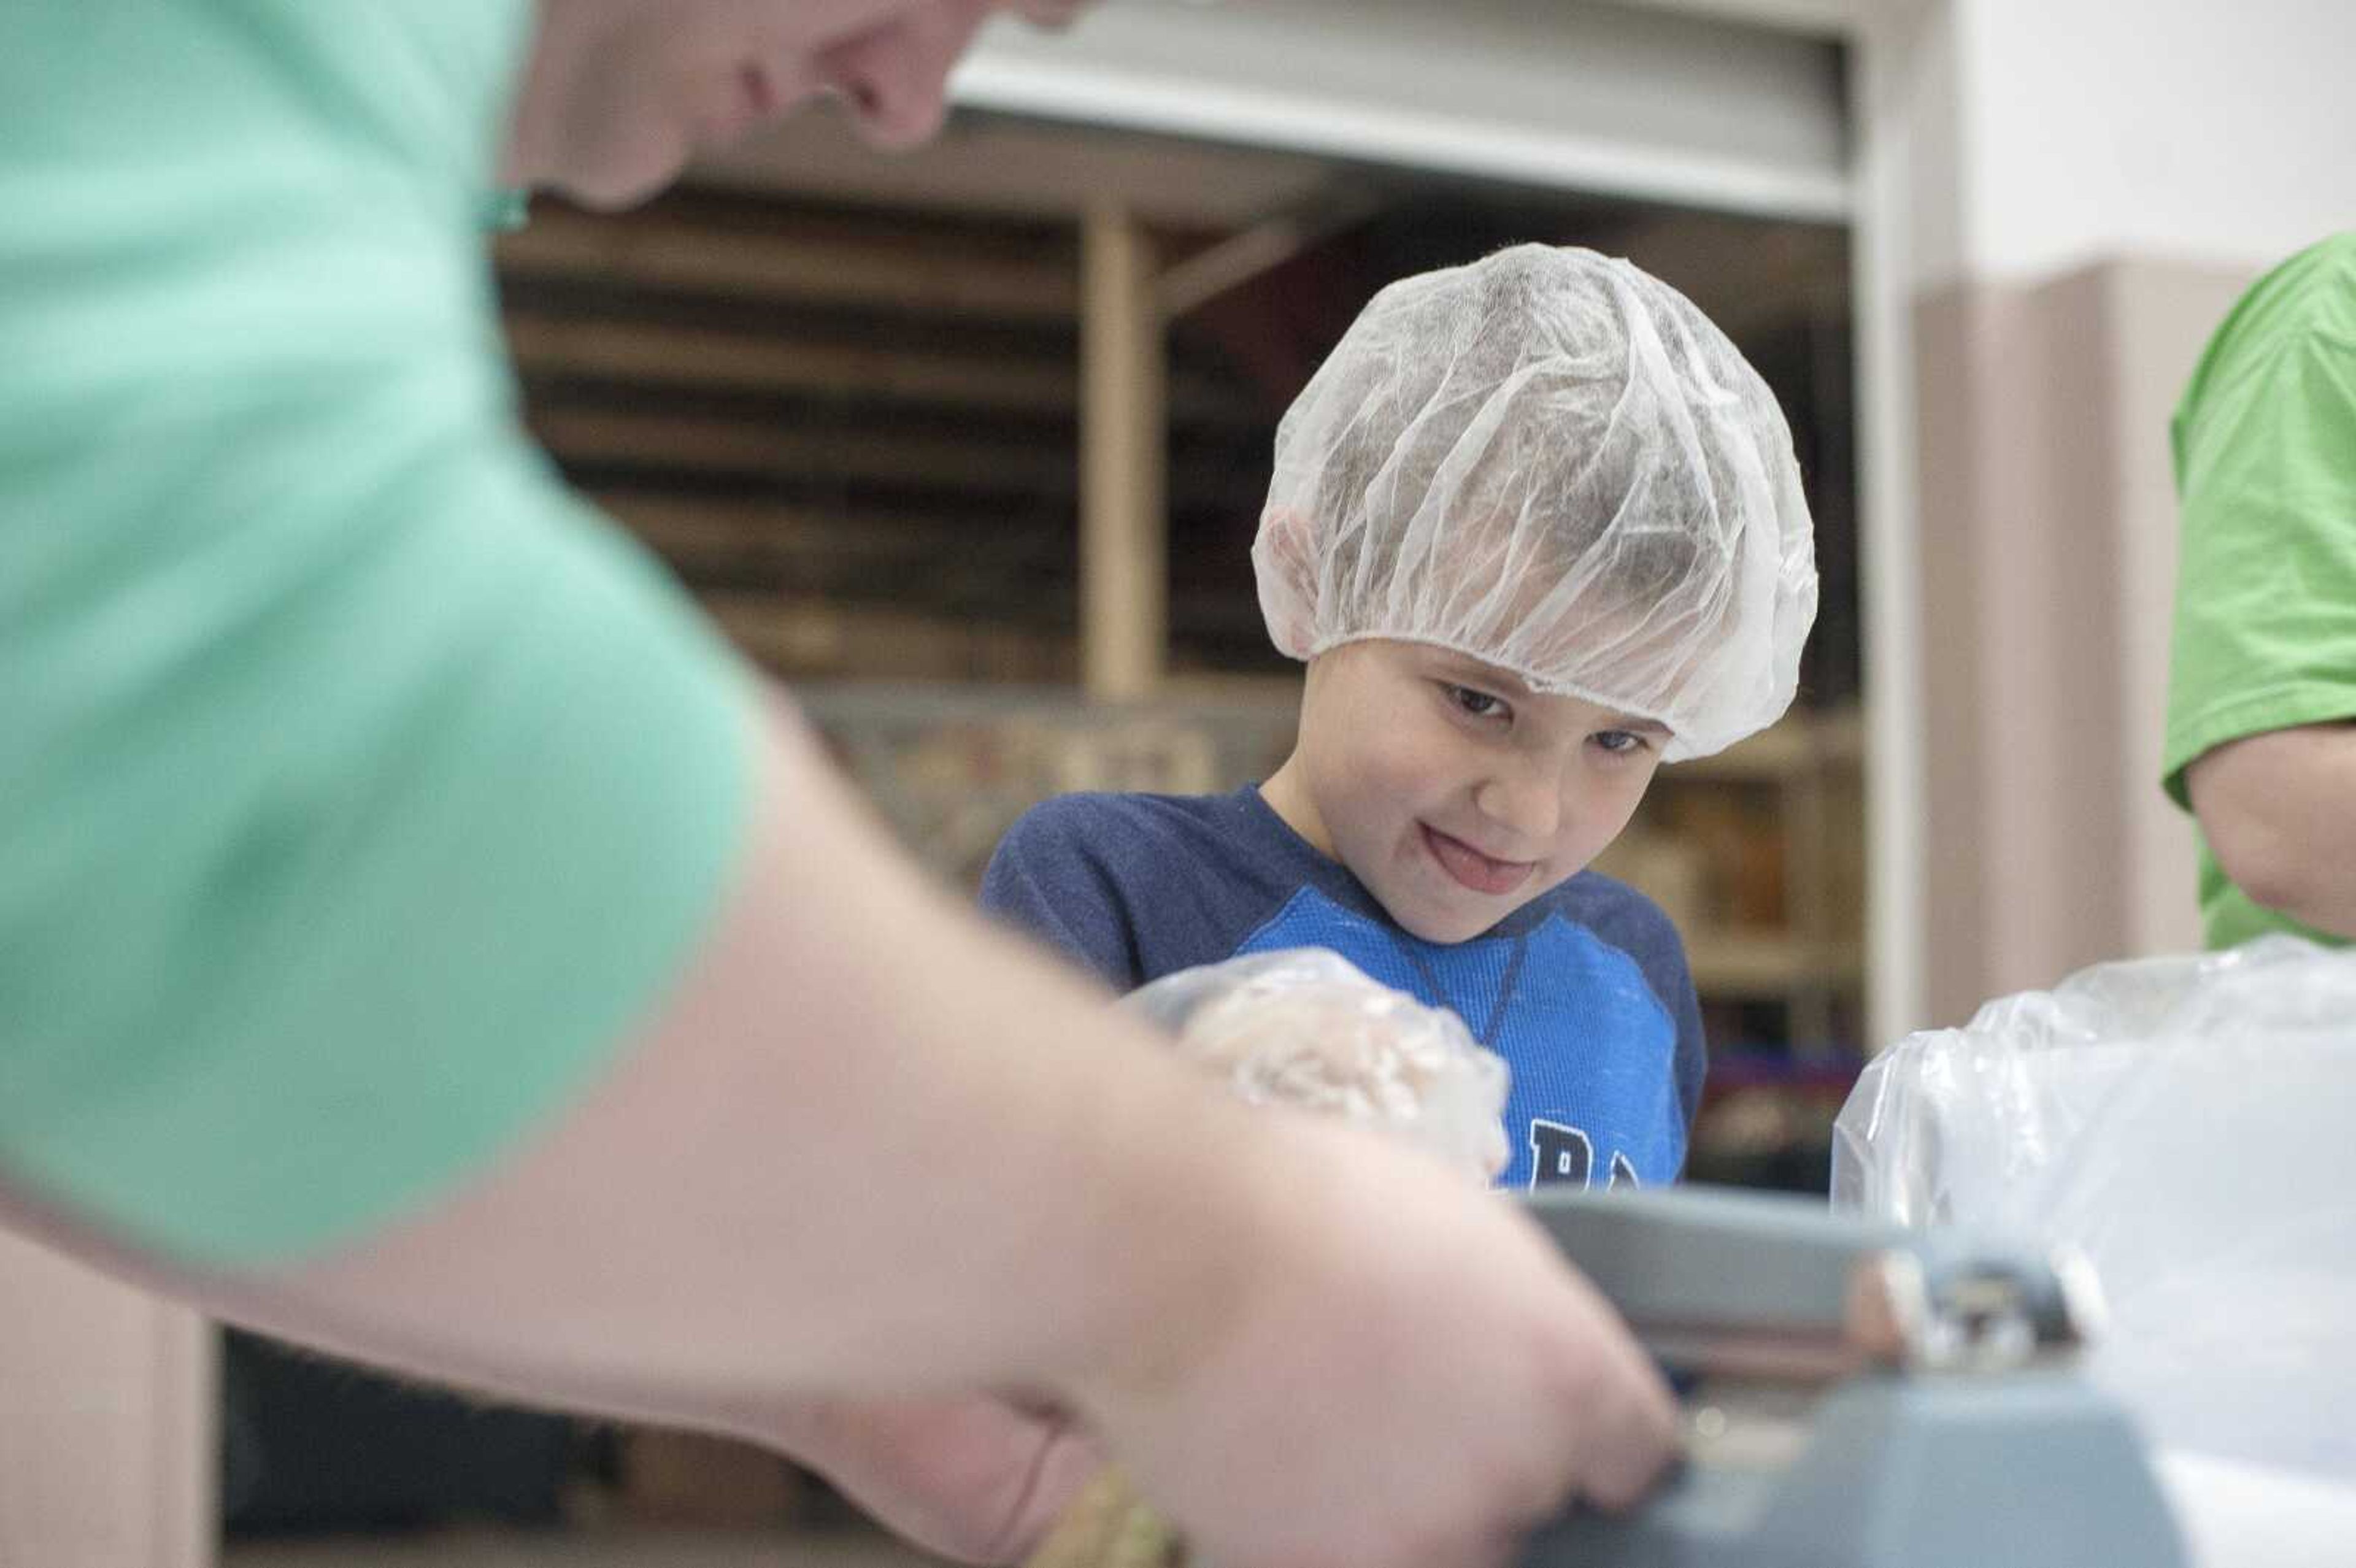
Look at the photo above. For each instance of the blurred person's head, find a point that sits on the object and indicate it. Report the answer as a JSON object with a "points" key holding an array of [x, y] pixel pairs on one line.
{"points": [[1535, 527], [619, 94]]}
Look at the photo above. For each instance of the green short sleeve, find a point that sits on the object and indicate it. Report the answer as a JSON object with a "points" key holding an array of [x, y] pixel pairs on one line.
{"points": [[2264, 634], [360, 790]]}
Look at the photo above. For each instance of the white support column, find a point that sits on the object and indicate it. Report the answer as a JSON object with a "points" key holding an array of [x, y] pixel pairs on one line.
{"points": [[107, 1421], [1906, 138]]}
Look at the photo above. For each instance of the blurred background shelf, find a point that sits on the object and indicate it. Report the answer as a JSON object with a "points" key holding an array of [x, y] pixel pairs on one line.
{"points": [[1736, 964]]}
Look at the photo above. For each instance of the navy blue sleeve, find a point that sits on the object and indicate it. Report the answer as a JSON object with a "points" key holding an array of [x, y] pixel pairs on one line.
{"points": [[1639, 927], [1673, 982], [1661, 952], [1051, 879]]}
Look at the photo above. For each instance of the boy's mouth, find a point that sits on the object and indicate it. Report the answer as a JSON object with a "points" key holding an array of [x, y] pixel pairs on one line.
{"points": [[1481, 873]]}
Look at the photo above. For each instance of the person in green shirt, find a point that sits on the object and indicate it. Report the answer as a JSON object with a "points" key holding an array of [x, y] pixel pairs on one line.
{"points": [[421, 936], [2260, 743]]}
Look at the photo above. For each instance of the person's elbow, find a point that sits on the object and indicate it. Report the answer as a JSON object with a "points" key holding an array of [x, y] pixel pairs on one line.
{"points": [[2266, 871], [2254, 803]]}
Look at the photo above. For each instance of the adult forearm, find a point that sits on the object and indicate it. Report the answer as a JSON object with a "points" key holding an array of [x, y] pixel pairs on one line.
{"points": [[869, 1146], [872, 1149]]}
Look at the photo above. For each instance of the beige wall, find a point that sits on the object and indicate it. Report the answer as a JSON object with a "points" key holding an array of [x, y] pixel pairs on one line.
{"points": [[106, 1421], [2036, 204], [2159, 319], [2047, 566]]}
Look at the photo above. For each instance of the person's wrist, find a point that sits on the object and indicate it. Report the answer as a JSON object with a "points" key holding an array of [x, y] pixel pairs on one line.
{"points": [[1213, 1232]]}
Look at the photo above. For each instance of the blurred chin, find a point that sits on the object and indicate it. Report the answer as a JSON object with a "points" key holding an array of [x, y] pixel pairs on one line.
{"points": [[623, 178], [900, 131]]}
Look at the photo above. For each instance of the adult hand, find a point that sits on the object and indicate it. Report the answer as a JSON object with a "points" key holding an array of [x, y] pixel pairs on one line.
{"points": [[979, 1479], [1408, 1375]]}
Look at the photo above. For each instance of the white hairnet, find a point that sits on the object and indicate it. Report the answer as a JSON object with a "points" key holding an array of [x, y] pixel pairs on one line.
{"points": [[1553, 463]]}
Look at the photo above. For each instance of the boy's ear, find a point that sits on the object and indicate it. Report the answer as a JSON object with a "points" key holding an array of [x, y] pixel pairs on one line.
{"points": [[1284, 561]]}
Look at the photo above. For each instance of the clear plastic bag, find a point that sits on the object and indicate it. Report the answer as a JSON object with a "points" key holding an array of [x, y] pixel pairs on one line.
{"points": [[1305, 1027], [2184, 1123]]}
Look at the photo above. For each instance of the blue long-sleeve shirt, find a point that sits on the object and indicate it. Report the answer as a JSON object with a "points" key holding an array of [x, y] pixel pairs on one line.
{"points": [[1584, 990]]}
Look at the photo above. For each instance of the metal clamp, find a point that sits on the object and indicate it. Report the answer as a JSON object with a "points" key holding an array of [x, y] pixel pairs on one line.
{"points": [[1916, 1311]]}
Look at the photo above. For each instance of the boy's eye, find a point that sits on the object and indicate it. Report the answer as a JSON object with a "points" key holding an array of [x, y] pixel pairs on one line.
{"points": [[1478, 704], [1619, 742]]}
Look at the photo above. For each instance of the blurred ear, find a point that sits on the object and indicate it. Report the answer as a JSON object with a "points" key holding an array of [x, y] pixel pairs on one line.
{"points": [[1284, 559]]}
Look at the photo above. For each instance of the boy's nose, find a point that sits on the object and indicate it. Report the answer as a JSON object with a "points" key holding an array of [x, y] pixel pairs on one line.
{"points": [[1526, 803]]}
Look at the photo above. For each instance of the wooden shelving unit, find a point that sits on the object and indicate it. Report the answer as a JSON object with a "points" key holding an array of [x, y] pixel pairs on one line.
{"points": [[1812, 766], [1791, 933]]}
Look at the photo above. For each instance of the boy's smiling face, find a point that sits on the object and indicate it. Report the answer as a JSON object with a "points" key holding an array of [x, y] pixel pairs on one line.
{"points": [[1448, 788]]}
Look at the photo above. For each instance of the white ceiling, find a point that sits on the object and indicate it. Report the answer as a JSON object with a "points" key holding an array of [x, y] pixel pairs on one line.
{"points": [[1615, 99], [1581, 95]]}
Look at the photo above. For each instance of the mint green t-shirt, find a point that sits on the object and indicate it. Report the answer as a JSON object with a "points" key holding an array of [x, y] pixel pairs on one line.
{"points": [[360, 789], [2266, 597]]}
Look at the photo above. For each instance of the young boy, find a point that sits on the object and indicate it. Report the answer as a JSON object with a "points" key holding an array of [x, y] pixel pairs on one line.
{"points": [[1536, 527]]}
